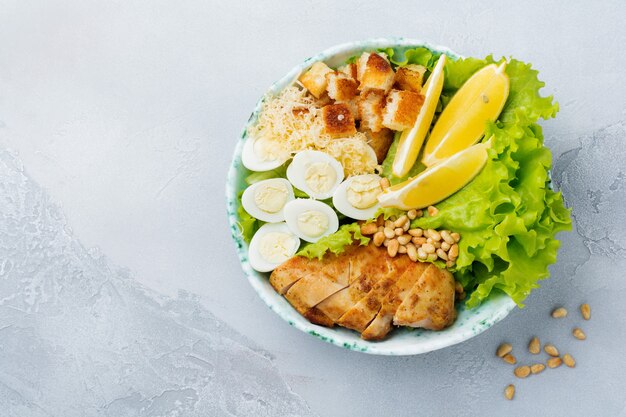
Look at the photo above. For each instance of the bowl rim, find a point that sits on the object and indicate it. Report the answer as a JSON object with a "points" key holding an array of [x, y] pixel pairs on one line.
{"points": [[503, 305]]}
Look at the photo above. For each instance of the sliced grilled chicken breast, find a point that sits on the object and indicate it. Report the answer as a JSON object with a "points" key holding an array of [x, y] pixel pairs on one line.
{"points": [[430, 303]]}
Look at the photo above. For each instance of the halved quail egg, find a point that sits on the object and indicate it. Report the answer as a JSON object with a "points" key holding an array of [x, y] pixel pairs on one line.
{"points": [[266, 199], [316, 173], [356, 197], [310, 220], [272, 245]]}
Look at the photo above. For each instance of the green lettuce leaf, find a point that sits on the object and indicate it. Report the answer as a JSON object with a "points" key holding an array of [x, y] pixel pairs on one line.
{"points": [[508, 215], [336, 242]]}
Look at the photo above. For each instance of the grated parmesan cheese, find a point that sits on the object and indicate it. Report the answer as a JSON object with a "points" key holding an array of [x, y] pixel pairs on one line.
{"points": [[291, 122]]}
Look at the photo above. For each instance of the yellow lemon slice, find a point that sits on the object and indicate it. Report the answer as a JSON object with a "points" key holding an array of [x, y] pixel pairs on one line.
{"points": [[462, 122], [412, 139], [437, 182]]}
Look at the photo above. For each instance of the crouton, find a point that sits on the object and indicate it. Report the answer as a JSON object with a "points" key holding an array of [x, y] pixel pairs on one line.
{"points": [[401, 109], [350, 71], [380, 142], [338, 120], [374, 71], [410, 77], [323, 100], [314, 79], [371, 105], [353, 106], [340, 86]]}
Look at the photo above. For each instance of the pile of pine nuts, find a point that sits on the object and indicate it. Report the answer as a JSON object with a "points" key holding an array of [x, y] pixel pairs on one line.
{"points": [[505, 351], [418, 244]]}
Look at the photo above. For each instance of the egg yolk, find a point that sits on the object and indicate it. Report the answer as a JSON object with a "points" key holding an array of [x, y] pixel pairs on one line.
{"points": [[320, 177], [362, 192], [313, 223], [271, 198], [276, 247]]}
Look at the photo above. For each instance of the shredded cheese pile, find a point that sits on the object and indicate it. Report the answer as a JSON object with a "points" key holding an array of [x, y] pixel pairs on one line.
{"points": [[291, 122]]}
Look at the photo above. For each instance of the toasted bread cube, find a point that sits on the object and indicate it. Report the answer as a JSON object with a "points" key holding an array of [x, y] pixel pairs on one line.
{"points": [[314, 79], [402, 109], [338, 120], [410, 77], [371, 105], [353, 106], [340, 86], [323, 100], [380, 142], [350, 71], [374, 71]]}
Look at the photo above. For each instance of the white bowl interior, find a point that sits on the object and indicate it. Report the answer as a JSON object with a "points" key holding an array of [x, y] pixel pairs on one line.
{"points": [[401, 341]]}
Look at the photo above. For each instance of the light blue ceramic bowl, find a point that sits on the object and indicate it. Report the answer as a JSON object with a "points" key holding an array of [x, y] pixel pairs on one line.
{"points": [[401, 341]]}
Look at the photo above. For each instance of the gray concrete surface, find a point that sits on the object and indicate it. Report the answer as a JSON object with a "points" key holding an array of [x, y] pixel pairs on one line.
{"points": [[120, 291]]}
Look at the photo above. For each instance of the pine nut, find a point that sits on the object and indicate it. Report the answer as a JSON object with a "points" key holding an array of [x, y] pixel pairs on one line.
{"points": [[442, 254], [432, 257], [509, 392], [398, 231], [537, 368], [579, 334], [421, 254], [379, 238], [407, 226], [369, 228], [437, 244], [445, 246], [402, 249], [450, 264], [585, 310], [453, 253], [510, 359], [381, 228], [432, 211], [419, 240], [393, 247], [389, 233], [445, 235], [503, 349], [569, 360], [404, 239], [384, 183], [456, 237], [551, 350], [554, 362], [420, 213], [412, 252], [430, 240], [416, 232], [435, 235], [412, 214], [559, 313], [459, 288], [389, 224], [386, 242], [522, 371], [401, 220], [534, 346], [428, 248]]}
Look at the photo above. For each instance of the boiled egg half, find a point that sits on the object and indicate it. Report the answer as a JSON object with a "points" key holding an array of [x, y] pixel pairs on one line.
{"points": [[310, 220], [262, 154], [357, 197], [272, 245], [316, 173], [265, 200]]}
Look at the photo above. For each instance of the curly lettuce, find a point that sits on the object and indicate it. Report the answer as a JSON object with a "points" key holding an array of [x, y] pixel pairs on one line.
{"points": [[336, 242]]}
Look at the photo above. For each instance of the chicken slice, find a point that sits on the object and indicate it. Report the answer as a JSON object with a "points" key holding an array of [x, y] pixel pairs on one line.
{"points": [[296, 268], [311, 290], [382, 323], [430, 303], [315, 316]]}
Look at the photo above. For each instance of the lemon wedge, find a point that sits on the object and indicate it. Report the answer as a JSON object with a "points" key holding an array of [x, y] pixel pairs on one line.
{"points": [[411, 140], [462, 122], [437, 182]]}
